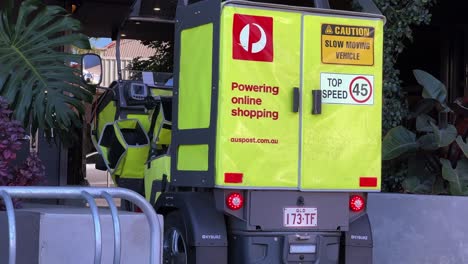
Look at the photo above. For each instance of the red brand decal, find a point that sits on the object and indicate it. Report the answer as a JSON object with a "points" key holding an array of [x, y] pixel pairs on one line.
{"points": [[233, 177], [252, 38], [368, 182]]}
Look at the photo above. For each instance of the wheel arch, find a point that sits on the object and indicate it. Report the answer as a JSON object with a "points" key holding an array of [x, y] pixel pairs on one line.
{"points": [[206, 226]]}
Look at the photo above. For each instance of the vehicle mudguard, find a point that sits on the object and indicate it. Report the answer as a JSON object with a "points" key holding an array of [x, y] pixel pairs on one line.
{"points": [[357, 242], [205, 225], [157, 177]]}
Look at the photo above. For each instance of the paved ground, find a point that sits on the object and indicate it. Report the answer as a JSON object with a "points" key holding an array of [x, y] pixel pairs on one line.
{"points": [[99, 178]]}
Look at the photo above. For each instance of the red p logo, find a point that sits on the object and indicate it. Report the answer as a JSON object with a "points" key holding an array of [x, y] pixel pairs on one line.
{"points": [[252, 38]]}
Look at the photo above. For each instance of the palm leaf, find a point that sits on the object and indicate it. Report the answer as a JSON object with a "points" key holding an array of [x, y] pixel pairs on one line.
{"points": [[41, 88]]}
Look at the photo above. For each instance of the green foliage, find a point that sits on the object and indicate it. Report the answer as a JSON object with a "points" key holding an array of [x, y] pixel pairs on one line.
{"points": [[42, 89], [91, 49], [433, 165], [421, 180], [457, 178], [401, 17], [161, 61], [433, 88], [399, 172]]}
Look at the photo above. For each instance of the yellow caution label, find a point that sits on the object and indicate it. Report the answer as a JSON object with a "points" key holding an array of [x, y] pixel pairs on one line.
{"points": [[348, 45]]}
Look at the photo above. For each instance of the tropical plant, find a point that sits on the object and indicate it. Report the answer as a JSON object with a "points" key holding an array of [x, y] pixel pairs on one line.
{"points": [[435, 152], [402, 17], [31, 172], [161, 61], [36, 77], [92, 48]]}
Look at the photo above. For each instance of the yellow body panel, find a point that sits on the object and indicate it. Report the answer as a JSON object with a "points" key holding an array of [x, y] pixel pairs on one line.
{"points": [[160, 92], [195, 77], [158, 167], [131, 161], [133, 164], [192, 158], [263, 148], [105, 116], [261, 139], [343, 143], [144, 120], [164, 136]]}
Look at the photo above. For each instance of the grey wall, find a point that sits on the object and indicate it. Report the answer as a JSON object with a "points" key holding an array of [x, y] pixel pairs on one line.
{"points": [[419, 229]]}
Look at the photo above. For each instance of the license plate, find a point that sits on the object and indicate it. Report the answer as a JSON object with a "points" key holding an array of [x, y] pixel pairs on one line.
{"points": [[299, 217]]}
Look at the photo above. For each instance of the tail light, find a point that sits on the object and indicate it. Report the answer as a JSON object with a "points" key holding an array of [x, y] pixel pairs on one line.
{"points": [[356, 203], [234, 201]]}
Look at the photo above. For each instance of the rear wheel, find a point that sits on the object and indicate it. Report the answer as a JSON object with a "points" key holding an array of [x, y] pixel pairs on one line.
{"points": [[175, 247]]}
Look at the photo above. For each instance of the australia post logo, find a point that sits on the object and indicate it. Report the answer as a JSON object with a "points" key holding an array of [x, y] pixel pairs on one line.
{"points": [[252, 38]]}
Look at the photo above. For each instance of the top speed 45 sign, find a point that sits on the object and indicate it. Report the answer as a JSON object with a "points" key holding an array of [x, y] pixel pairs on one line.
{"points": [[347, 89]]}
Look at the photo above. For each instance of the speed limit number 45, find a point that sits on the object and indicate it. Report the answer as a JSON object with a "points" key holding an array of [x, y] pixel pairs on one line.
{"points": [[347, 89]]}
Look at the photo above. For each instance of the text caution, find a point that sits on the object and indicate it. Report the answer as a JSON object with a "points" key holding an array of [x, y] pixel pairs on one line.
{"points": [[349, 45], [347, 89]]}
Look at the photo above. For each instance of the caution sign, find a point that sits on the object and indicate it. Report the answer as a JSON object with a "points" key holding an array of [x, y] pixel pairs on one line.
{"points": [[349, 45], [347, 89]]}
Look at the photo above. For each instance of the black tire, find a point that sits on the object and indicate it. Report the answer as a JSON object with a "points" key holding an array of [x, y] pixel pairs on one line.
{"points": [[175, 248]]}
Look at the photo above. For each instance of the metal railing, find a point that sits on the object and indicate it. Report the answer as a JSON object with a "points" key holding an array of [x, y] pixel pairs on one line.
{"points": [[88, 194]]}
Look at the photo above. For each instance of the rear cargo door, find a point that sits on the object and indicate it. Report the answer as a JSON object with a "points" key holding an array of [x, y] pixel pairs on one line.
{"points": [[340, 146], [258, 118]]}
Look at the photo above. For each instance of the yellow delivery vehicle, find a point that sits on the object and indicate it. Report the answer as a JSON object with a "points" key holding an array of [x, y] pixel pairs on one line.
{"points": [[265, 145]]}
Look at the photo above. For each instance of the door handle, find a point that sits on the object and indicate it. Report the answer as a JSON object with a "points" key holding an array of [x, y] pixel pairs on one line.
{"points": [[296, 99], [316, 102]]}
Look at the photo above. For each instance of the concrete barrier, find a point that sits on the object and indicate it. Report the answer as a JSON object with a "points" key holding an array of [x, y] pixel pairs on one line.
{"points": [[419, 229], [63, 235], [407, 229]]}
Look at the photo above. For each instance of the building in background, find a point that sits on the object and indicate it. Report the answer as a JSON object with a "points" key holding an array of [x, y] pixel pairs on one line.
{"points": [[129, 49]]}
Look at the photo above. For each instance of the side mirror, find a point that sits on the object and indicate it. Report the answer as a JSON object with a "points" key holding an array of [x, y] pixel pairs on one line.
{"points": [[91, 69]]}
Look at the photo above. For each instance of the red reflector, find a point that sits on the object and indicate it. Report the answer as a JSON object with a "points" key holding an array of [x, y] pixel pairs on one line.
{"points": [[233, 177], [234, 201], [368, 182], [356, 203]]}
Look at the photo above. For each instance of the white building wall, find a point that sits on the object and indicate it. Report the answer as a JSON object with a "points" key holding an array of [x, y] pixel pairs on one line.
{"points": [[109, 68]]}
